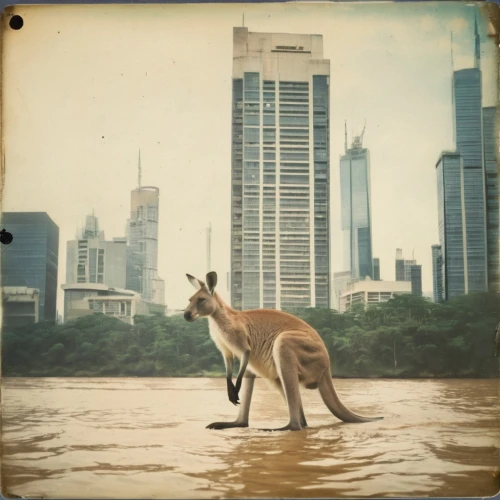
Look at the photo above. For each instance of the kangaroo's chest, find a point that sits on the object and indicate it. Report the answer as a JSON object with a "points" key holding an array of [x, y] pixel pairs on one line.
{"points": [[222, 339]]}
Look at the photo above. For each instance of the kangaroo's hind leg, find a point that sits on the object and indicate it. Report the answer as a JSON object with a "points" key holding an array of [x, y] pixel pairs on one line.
{"points": [[287, 368], [277, 384]]}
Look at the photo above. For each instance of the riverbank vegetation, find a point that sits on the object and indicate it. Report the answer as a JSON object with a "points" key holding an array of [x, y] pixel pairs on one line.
{"points": [[408, 336]]}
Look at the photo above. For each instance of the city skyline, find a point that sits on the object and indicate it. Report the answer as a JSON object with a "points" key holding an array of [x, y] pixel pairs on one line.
{"points": [[97, 163]]}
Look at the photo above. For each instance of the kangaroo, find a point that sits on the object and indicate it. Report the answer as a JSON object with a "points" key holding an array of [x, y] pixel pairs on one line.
{"points": [[274, 345]]}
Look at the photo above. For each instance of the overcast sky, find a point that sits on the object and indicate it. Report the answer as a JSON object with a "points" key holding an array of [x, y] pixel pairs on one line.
{"points": [[86, 87]]}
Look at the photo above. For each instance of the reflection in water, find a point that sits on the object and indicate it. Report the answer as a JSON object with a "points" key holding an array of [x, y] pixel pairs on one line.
{"points": [[123, 438]]}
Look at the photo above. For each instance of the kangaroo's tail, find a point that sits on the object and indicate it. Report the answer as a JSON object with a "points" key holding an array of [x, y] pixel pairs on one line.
{"points": [[334, 404]]}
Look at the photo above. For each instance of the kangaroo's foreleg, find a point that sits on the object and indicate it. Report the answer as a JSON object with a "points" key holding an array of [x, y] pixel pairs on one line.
{"points": [[241, 345], [231, 390], [244, 411], [243, 366]]}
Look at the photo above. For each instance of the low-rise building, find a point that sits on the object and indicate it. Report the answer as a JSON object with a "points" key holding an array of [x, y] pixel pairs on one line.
{"points": [[340, 281], [20, 306], [369, 292], [82, 299]]}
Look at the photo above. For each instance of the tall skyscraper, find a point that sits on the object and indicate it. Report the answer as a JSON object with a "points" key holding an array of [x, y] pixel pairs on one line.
{"points": [[415, 272], [437, 273], [409, 270], [490, 134], [31, 260], [407, 265], [142, 237], [376, 269], [462, 184], [91, 259], [467, 92], [400, 265], [403, 266], [468, 126], [280, 250], [356, 209], [451, 223], [91, 229]]}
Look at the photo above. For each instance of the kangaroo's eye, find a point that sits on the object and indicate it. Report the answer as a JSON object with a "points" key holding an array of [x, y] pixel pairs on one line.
{"points": [[200, 301]]}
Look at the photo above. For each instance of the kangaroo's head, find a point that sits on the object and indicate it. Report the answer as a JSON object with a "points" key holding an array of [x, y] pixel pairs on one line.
{"points": [[203, 302]]}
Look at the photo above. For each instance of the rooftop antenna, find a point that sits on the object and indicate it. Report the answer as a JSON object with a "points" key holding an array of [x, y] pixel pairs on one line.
{"points": [[451, 44], [243, 23], [345, 136], [140, 169], [453, 89], [362, 134], [477, 43]]}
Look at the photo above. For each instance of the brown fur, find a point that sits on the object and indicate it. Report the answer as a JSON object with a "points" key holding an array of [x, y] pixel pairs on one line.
{"points": [[276, 345]]}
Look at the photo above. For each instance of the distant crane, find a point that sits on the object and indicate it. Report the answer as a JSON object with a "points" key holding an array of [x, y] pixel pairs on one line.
{"points": [[362, 134], [358, 140], [345, 136]]}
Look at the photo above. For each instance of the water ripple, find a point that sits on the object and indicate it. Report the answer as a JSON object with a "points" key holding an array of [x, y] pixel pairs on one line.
{"points": [[125, 438]]}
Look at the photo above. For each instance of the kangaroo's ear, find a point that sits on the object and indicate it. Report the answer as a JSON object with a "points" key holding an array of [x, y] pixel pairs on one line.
{"points": [[211, 281], [195, 281]]}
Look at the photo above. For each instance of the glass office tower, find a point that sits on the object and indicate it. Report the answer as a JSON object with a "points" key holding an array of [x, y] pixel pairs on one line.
{"points": [[469, 140], [437, 273], [31, 260], [451, 222], [492, 207], [356, 210]]}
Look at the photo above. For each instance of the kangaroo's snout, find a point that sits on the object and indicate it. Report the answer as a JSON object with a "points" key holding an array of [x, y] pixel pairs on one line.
{"points": [[190, 316]]}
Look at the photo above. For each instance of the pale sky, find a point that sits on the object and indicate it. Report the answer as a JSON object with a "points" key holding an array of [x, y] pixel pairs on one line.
{"points": [[86, 87]]}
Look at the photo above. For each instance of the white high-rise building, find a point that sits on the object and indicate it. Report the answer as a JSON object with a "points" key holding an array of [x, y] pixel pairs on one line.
{"points": [[92, 259], [92, 263], [280, 254]]}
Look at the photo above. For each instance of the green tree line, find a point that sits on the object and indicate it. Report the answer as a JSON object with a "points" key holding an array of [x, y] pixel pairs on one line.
{"points": [[407, 336]]}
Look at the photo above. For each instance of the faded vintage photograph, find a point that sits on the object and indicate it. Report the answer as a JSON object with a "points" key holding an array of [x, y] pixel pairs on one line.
{"points": [[250, 251]]}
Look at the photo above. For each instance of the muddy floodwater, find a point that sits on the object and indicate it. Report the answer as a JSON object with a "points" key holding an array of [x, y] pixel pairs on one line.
{"points": [[146, 438]]}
